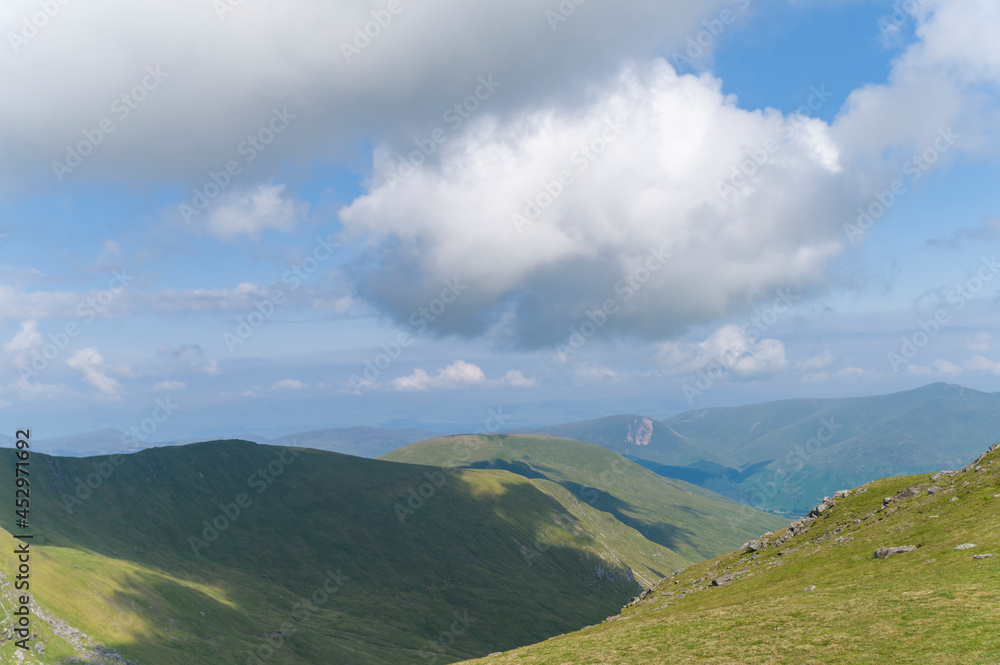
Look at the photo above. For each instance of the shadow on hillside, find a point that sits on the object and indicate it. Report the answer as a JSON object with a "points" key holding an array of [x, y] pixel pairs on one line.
{"points": [[417, 547], [668, 535]]}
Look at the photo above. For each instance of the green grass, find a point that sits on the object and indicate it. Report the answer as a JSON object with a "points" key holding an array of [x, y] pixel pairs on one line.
{"points": [[932, 605], [692, 523], [524, 558]]}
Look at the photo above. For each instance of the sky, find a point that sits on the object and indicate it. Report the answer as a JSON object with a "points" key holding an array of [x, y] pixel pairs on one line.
{"points": [[263, 216]]}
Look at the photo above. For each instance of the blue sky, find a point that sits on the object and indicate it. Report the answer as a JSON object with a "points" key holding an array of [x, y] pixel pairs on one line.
{"points": [[601, 228]]}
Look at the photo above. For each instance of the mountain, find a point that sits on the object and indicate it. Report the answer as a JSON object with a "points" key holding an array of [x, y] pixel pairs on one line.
{"points": [[692, 522], [642, 437], [829, 590], [229, 551], [785, 455], [358, 441]]}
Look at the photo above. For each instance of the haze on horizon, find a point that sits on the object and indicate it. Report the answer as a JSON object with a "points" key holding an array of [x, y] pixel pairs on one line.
{"points": [[559, 211]]}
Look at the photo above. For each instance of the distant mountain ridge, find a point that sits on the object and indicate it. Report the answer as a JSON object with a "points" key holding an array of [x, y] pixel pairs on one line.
{"points": [[784, 455], [367, 442]]}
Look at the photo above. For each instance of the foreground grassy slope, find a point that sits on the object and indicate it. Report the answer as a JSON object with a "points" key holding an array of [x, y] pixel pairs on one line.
{"points": [[517, 562], [694, 523], [821, 596]]}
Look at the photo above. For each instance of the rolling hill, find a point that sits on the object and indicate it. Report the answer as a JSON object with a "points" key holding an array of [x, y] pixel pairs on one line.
{"points": [[901, 570], [691, 522], [226, 551]]}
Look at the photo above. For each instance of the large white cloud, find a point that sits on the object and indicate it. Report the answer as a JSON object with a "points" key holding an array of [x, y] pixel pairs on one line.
{"points": [[221, 76], [642, 162]]}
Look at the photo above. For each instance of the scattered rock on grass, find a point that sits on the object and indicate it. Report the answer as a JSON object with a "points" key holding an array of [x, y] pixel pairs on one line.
{"points": [[886, 552], [725, 579], [983, 556], [965, 546]]}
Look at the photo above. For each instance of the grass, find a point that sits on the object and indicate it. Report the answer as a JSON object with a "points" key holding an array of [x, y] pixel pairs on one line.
{"points": [[933, 605], [523, 558]]}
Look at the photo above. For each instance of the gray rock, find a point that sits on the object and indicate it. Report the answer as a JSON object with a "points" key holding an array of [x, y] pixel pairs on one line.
{"points": [[725, 579], [983, 556], [810, 588], [886, 552], [965, 546]]}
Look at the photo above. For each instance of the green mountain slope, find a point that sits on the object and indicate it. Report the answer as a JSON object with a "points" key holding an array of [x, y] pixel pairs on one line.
{"points": [[634, 435], [331, 559], [690, 521], [821, 595], [784, 456]]}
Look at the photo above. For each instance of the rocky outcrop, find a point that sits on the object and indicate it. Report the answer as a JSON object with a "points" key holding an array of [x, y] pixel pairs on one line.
{"points": [[886, 552]]}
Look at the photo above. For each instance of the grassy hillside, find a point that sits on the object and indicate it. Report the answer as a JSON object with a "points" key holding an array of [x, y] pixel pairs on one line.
{"points": [[784, 456], [820, 595], [692, 522], [486, 560]]}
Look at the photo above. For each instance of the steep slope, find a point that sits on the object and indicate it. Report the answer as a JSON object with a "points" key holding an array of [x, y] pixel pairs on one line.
{"points": [[797, 451], [693, 523], [307, 557], [819, 593]]}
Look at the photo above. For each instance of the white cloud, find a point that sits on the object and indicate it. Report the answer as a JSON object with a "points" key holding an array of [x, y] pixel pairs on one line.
{"points": [[456, 375], [92, 366], [20, 346], [517, 379], [251, 212], [939, 366], [269, 53], [187, 357], [170, 385], [817, 362], [979, 342], [288, 384], [980, 363], [730, 347], [656, 184]]}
